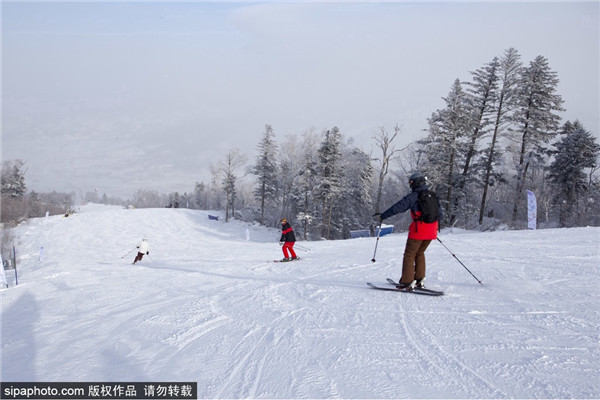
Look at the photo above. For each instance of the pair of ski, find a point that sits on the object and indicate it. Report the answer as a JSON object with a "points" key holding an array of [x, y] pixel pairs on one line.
{"points": [[415, 290], [296, 259]]}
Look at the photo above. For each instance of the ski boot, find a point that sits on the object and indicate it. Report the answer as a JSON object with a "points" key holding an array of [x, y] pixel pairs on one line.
{"points": [[406, 286]]}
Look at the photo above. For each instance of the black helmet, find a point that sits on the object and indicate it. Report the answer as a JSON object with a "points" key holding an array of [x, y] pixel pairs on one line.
{"points": [[417, 179]]}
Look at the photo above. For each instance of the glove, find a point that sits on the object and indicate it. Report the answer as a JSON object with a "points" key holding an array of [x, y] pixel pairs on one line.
{"points": [[377, 217], [147, 253]]}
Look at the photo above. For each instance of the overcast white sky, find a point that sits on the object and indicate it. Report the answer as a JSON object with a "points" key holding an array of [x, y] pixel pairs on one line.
{"points": [[122, 96]]}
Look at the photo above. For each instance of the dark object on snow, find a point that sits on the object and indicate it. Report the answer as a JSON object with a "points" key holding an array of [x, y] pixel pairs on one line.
{"points": [[426, 292]]}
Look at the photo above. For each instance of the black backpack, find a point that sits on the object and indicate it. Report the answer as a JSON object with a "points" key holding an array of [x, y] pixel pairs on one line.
{"points": [[429, 206]]}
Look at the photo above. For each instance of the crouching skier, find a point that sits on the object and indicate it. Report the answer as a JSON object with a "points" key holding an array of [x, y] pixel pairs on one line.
{"points": [[143, 248]]}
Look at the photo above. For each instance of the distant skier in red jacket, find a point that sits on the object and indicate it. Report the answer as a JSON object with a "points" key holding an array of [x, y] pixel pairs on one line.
{"points": [[287, 239], [420, 234]]}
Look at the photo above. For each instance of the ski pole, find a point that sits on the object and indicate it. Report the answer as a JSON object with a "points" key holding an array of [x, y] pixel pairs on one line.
{"points": [[128, 253], [302, 247], [453, 255], [377, 242]]}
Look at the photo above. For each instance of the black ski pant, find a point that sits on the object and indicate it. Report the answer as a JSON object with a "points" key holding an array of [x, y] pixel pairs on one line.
{"points": [[138, 257]]}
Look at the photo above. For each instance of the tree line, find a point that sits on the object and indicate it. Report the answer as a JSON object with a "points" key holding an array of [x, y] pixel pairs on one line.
{"points": [[498, 135]]}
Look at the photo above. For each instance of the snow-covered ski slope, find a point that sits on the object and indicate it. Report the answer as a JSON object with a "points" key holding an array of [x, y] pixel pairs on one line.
{"points": [[211, 306]]}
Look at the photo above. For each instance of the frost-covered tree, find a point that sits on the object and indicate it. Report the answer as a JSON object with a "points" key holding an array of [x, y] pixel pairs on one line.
{"points": [[200, 197], [290, 161], [175, 200], [353, 210], [144, 198], [384, 140], [265, 169], [215, 188], [536, 121], [509, 73], [445, 145], [576, 153], [12, 189], [228, 169], [483, 95], [13, 179], [329, 179], [302, 197]]}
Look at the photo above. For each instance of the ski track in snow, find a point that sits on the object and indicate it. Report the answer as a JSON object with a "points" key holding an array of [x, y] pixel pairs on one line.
{"points": [[446, 365], [211, 307]]}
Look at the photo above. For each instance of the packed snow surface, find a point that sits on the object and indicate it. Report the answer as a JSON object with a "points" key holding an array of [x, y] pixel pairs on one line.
{"points": [[210, 306]]}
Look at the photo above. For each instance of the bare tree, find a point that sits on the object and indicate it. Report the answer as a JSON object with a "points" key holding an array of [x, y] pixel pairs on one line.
{"points": [[384, 142], [227, 169]]}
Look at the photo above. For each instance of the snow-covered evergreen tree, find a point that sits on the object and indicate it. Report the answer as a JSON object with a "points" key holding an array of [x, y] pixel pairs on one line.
{"points": [[329, 180], [353, 210], [265, 170], [290, 161], [303, 191], [536, 121], [445, 145], [13, 179], [509, 73], [576, 153], [483, 96]]}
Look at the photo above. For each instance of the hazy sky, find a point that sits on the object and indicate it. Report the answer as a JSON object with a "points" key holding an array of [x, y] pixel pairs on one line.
{"points": [[121, 96]]}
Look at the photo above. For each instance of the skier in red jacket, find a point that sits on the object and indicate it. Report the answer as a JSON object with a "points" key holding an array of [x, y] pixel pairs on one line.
{"points": [[420, 234], [287, 240]]}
